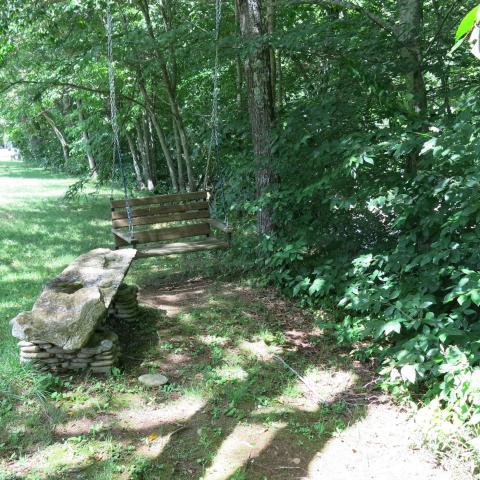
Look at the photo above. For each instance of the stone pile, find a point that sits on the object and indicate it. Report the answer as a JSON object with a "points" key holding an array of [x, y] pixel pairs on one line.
{"points": [[124, 306], [98, 356], [65, 330]]}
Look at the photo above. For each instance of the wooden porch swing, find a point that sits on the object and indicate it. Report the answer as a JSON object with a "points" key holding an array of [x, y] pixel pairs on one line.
{"points": [[191, 209]]}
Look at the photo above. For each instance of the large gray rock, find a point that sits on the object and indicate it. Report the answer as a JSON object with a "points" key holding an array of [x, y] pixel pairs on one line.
{"points": [[75, 302]]}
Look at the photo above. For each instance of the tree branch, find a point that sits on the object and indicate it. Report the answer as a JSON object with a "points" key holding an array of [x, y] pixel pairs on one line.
{"points": [[74, 86], [346, 5]]}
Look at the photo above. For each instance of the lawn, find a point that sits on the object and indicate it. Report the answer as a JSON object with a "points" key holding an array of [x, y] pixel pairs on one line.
{"points": [[256, 391]]}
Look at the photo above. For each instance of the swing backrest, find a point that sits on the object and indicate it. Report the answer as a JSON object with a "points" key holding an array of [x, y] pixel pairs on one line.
{"points": [[191, 209]]}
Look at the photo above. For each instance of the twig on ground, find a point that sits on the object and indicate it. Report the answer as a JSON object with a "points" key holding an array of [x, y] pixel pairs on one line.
{"points": [[179, 429], [281, 360]]}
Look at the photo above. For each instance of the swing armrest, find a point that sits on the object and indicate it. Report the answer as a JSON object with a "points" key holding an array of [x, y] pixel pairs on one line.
{"points": [[126, 237], [219, 225]]}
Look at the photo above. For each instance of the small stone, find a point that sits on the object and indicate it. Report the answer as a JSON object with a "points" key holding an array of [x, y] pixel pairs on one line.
{"points": [[104, 357], [105, 345], [296, 461], [26, 360], [85, 354], [79, 361], [23, 343], [43, 345], [35, 355], [68, 356], [88, 351], [55, 350], [153, 380], [102, 363], [30, 349], [50, 360]]}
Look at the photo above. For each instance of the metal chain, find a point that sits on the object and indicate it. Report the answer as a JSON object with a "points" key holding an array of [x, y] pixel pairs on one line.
{"points": [[215, 115], [214, 119], [116, 130]]}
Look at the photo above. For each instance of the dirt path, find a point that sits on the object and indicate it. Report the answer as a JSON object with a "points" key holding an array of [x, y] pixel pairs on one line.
{"points": [[372, 438], [232, 409]]}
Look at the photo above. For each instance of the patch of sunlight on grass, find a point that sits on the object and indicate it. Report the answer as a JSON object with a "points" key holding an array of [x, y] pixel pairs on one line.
{"points": [[231, 372], [236, 449], [213, 340]]}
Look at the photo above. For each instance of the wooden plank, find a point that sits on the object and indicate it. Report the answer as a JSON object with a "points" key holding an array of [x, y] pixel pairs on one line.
{"points": [[173, 233], [153, 219], [156, 199], [146, 212], [182, 247], [124, 236]]}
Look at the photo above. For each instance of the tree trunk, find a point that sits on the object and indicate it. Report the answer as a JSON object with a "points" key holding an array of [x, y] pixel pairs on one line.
{"points": [[172, 98], [144, 149], [136, 165], [158, 131], [238, 66], [273, 63], [260, 103], [281, 87], [92, 162], [178, 153], [410, 34], [59, 135]]}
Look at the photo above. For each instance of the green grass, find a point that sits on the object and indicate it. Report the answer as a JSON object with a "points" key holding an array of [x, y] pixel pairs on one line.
{"points": [[209, 347]]}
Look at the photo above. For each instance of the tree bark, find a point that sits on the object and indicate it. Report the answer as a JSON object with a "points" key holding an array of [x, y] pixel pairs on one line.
{"points": [[410, 35], [92, 161], [136, 165], [270, 31], [178, 154], [260, 103], [145, 153], [59, 135], [238, 66]]}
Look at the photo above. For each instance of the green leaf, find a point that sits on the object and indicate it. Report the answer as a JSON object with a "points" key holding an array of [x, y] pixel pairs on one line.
{"points": [[467, 23], [389, 327], [409, 373], [475, 296], [316, 286]]}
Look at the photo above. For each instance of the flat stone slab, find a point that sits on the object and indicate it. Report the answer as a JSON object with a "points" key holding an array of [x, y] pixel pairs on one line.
{"points": [[153, 380], [75, 303]]}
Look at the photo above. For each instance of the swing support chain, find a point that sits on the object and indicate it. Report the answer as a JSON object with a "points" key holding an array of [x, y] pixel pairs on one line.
{"points": [[114, 120]]}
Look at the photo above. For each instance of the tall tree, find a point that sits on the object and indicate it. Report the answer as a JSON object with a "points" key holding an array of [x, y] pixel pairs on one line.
{"points": [[260, 102], [410, 36]]}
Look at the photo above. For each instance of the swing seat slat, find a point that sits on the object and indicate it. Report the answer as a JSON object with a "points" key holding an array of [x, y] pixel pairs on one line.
{"points": [[183, 247], [189, 209]]}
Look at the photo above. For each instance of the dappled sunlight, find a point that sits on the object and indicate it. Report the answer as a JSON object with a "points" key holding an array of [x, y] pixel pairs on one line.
{"points": [[213, 340], [231, 372], [377, 446], [259, 350], [327, 383], [149, 418], [244, 444]]}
